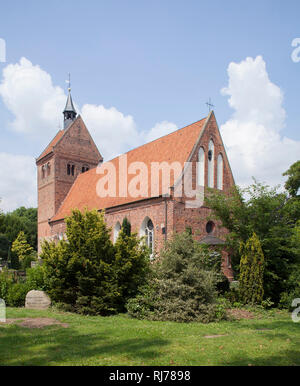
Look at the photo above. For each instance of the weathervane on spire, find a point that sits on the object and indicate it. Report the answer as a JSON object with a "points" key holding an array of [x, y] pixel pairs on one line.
{"points": [[69, 82], [209, 105]]}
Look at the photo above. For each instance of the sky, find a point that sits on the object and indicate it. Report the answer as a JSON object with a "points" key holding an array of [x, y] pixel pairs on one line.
{"points": [[141, 69]]}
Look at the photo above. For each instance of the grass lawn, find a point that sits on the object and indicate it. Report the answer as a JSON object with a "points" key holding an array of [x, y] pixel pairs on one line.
{"points": [[120, 340]]}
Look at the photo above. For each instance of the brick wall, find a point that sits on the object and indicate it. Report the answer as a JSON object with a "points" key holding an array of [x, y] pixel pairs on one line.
{"points": [[77, 148]]}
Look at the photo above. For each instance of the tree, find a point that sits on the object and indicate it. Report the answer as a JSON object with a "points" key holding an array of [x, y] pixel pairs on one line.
{"points": [[292, 184], [11, 224], [251, 271], [132, 265], [21, 247], [183, 285], [4, 246], [126, 226], [86, 272], [1, 217], [79, 270], [272, 216]]}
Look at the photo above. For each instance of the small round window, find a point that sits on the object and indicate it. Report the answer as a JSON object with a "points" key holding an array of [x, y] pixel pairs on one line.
{"points": [[210, 226]]}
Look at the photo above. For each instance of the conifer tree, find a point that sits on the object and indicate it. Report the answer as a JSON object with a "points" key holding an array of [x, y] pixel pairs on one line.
{"points": [[251, 271], [126, 226], [21, 247], [132, 264], [87, 272]]}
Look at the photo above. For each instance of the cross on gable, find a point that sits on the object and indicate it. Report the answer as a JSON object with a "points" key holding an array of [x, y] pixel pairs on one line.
{"points": [[209, 105]]}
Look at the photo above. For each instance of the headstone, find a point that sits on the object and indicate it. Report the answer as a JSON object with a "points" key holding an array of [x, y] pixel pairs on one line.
{"points": [[38, 300], [2, 311]]}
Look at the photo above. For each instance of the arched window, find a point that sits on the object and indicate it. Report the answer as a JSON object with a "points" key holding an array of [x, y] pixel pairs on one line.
{"points": [[147, 230], [70, 169], [117, 229], [220, 172], [48, 169], [210, 227], [85, 168], [201, 167], [211, 163], [43, 171]]}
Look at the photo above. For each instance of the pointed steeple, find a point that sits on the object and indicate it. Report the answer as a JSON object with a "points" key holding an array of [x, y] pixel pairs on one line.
{"points": [[69, 111]]}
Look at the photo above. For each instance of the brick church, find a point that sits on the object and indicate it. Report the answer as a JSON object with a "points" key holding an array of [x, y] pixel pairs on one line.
{"points": [[148, 185]]}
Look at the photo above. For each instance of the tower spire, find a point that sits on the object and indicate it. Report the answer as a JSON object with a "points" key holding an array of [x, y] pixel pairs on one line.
{"points": [[69, 111]]}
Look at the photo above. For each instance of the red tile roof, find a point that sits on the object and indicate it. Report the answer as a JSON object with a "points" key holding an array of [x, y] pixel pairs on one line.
{"points": [[174, 147], [51, 145]]}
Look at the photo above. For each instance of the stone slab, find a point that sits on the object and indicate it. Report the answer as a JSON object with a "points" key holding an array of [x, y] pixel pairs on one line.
{"points": [[38, 300]]}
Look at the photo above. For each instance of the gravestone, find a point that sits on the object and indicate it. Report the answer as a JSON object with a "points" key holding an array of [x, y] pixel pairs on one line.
{"points": [[2, 311], [38, 300]]}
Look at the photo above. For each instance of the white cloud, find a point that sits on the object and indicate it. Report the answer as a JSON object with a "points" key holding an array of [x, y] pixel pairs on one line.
{"points": [[36, 104], [114, 133], [159, 130], [252, 135], [28, 92], [17, 181]]}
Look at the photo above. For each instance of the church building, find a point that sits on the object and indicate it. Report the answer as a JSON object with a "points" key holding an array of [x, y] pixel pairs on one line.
{"points": [[159, 186]]}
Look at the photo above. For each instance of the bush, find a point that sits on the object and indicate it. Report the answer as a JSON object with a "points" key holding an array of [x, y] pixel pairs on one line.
{"points": [[223, 285], [293, 289], [35, 278], [131, 266], [143, 305], [267, 303], [6, 282], [221, 309], [13, 289], [233, 295], [184, 285], [87, 273], [26, 262], [16, 295], [287, 298], [251, 271]]}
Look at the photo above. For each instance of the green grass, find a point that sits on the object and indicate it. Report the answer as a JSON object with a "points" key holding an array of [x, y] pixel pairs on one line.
{"points": [[120, 340]]}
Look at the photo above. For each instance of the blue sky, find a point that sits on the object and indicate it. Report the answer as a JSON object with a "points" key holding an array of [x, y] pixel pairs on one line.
{"points": [[155, 61]]}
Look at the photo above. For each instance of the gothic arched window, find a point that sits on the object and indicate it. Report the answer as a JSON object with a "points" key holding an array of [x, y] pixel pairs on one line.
{"points": [[43, 171], [48, 168], [201, 167], [85, 168], [117, 229], [211, 164], [69, 169], [147, 230], [149, 233], [220, 172]]}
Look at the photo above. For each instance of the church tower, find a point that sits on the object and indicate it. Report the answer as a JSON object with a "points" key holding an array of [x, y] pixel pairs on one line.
{"points": [[71, 152], [69, 111]]}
